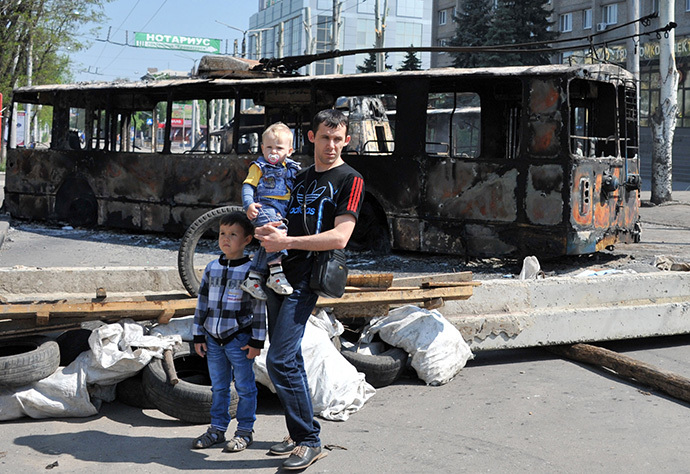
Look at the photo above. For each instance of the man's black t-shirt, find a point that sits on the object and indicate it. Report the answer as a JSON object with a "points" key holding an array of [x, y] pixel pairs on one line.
{"points": [[316, 200]]}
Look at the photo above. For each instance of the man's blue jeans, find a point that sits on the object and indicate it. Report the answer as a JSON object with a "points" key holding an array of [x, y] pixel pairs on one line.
{"points": [[224, 362], [287, 318]]}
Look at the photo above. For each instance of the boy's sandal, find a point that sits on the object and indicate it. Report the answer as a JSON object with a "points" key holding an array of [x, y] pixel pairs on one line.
{"points": [[237, 444], [208, 439]]}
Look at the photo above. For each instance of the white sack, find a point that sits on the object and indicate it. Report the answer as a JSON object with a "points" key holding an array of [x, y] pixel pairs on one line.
{"points": [[337, 389], [76, 390], [182, 326], [437, 348]]}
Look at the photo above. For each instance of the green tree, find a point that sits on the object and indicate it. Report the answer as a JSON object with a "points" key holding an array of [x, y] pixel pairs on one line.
{"points": [[370, 63], [516, 22], [473, 21], [512, 22], [43, 30], [411, 62]]}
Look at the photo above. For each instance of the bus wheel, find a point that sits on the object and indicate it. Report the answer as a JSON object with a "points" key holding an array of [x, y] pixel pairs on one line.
{"points": [[371, 232], [76, 203], [196, 252]]}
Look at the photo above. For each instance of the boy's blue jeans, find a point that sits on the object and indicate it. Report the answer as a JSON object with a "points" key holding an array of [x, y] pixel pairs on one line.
{"points": [[287, 318], [224, 362]]}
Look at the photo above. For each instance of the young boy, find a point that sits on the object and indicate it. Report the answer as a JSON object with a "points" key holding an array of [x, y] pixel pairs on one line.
{"points": [[229, 330], [265, 195]]}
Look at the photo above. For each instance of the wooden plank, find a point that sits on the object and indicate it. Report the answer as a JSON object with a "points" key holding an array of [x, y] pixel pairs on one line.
{"points": [[629, 368], [393, 296], [442, 284], [368, 280], [96, 309], [420, 280]]}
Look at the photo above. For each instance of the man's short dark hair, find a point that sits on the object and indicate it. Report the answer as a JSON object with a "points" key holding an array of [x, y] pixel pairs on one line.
{"points": [[237, 217], [332, 118]]}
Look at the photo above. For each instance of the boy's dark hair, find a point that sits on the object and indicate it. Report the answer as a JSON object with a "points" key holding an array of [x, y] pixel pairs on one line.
{"points": [[237, 217], [332, 118]]}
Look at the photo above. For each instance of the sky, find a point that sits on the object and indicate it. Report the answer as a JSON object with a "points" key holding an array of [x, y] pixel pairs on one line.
{"points": [[105, 61]]}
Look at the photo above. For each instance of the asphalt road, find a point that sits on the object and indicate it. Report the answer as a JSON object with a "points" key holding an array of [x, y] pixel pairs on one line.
{"points": [[507, 412]]}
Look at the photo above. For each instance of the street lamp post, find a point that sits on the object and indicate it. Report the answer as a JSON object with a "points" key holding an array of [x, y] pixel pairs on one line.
{"points": [[244, 36]]}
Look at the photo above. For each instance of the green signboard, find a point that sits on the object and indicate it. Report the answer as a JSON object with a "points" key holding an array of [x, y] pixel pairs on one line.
{"points": [[186, 43]]}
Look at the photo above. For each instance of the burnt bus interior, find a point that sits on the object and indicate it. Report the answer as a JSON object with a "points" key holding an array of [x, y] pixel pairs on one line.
{"points": [[483, 162]]}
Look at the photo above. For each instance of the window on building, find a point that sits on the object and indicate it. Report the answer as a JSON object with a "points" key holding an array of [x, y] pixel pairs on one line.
{"points": [[410, 8], [323, 43], [610, 14], [687, 5], [406, 33], [587, 19], [566, 22], [442, 17], [655, 6]]}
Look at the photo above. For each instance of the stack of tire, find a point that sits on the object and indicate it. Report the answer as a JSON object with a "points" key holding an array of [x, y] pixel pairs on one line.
{"points": [[29, 359]]}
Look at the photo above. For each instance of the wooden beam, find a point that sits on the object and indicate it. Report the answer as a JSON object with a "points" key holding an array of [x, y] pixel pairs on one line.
{"points": [[395, 296], [632, 369]]}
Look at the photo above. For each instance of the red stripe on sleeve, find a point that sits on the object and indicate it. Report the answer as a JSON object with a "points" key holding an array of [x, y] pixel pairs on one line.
{"points": [[355, 194]]}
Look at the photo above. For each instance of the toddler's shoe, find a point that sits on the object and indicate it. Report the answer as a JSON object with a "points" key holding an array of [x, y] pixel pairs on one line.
{"points": [[252, 285], [278, 283]]}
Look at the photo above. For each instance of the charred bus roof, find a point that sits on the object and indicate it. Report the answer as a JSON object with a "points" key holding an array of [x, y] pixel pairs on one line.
{"points": [[216, 87]]}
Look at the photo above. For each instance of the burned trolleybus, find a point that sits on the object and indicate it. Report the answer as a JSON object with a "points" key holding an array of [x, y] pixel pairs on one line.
{"points": [[477, 162]]}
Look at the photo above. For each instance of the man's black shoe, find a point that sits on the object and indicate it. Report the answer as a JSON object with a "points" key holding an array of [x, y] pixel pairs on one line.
{"points": [[284, 447], [302, 457]]}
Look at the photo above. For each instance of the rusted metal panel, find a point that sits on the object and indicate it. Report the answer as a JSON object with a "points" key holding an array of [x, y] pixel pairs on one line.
{"points": [[545, 100], [465, 191], [544, 194]]}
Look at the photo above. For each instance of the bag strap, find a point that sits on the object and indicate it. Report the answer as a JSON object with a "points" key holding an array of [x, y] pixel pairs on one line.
{"points": [[304, 200]]}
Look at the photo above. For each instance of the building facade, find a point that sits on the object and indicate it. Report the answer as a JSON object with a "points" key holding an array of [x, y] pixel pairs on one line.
{"points": [[307, 28], [443, 29], [580, 18]]}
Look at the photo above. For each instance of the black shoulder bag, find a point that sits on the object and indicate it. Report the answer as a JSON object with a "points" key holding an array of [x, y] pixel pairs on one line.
{"points": [[329, 270]]}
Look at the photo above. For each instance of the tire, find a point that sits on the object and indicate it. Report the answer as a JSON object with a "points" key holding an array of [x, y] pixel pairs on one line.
{"points": [[71, 344], [190, 240], [379, 370], [27, 360], [371, 232], [131, 392], [190, 399]]}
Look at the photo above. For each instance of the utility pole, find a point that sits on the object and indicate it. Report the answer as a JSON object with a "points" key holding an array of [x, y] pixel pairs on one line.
{"points": [[337, 68], [309, 40], [29, 75], [664, 117], [280, 42], [380, 27], [633, 58]]}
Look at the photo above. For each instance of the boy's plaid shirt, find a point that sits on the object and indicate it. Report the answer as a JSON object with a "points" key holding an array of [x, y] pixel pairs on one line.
{"points": [[222, 307]]}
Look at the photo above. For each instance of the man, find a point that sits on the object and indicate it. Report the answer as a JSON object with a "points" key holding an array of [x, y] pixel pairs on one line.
{"points": [[322, 213]]}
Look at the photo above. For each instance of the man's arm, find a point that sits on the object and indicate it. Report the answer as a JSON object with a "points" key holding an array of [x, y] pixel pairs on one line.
{"points": [[275, 240]]}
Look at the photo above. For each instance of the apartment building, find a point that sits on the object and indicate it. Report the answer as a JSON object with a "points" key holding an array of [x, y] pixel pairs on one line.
{"points": [[307, 27], [443, 29]]}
